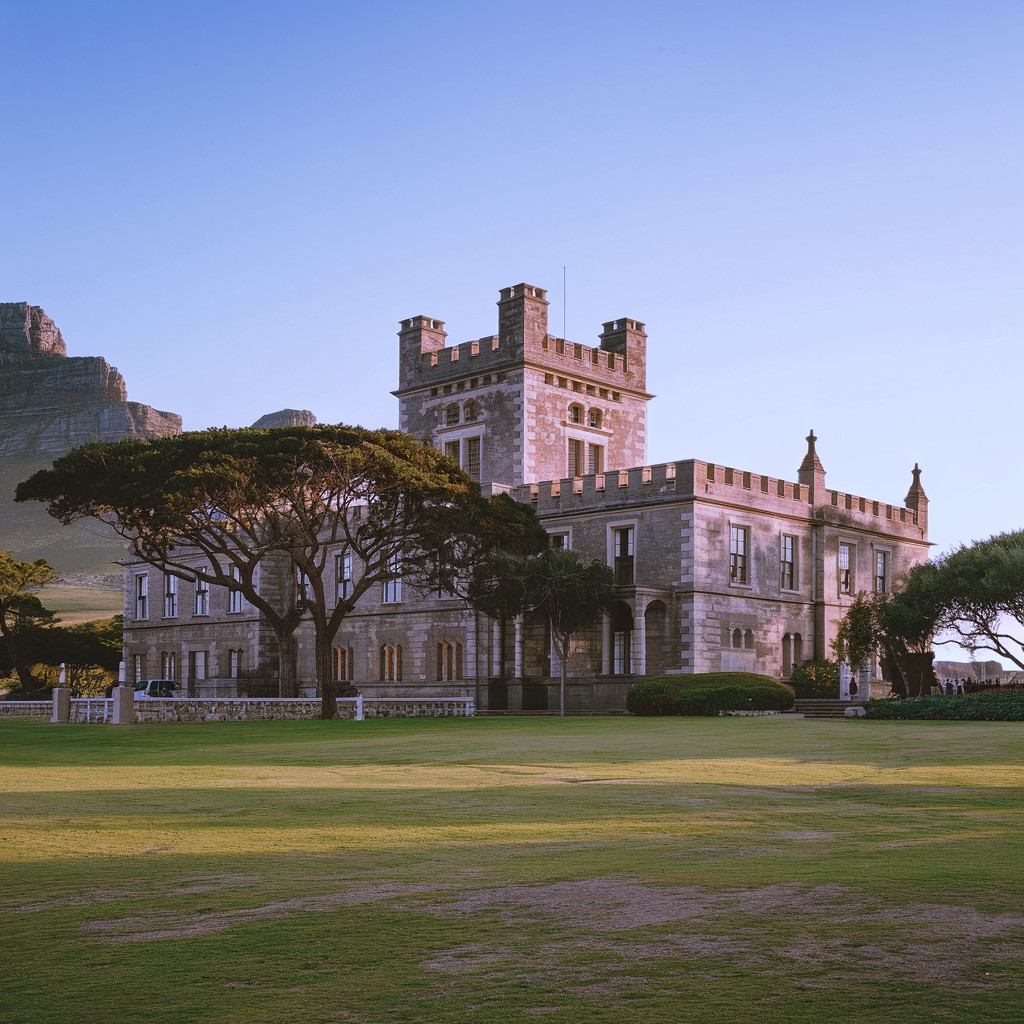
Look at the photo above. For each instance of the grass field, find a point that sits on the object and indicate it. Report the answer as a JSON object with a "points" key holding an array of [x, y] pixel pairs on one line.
{"points": [[81, 604], [712, 870]]}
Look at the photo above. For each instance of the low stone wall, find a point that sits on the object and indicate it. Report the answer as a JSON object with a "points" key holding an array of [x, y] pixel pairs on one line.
{"points": [[243, 709], [26, 708]]}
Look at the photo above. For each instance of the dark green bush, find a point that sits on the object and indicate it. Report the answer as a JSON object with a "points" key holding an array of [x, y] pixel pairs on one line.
{"points": [[816, 679], [707, 694], [970, 707]]}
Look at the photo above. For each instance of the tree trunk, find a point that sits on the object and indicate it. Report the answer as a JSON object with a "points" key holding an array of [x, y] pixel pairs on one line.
{"points": [[28, 683], [325, 677], [561, 688]]}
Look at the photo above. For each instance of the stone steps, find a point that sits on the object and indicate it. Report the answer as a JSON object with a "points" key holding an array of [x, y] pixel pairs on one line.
{"points": [[825, 708]]}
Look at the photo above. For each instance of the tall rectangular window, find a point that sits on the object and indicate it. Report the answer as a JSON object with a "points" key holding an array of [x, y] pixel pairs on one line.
{"points": [[575, 466], [303, 589], [343, 576], [393, 586], [235, 594], [391, 663], [197, 664], [170, 597], [738, 541], [234, 661], [622, 542], [142, 596], [453, 449], [168, 665], [202, 598], [596, 463], [622, 655], [845, 569], [472, 466], [787, 571], [139, 667], [881, 572]]}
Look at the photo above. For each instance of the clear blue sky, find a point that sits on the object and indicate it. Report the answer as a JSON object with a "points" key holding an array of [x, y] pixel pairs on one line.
{"points": [[815, 207]]}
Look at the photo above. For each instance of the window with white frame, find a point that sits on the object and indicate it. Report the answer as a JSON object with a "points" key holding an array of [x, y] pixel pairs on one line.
{"points": [[303, 589], [472, 466], [393, 586], [594, 418], [845, 568], [596, 461], [235, 599], [170, 599], [139, 667], [344, 664], [168, 665], [622, 554], [234, 663], [739, 538], [343, 576], [141, 596], [391, 663], [787, 563], [575, 460], [575, 413], [201, 605], [881, 572], [559, 541], [453, 449], [449, 661]]}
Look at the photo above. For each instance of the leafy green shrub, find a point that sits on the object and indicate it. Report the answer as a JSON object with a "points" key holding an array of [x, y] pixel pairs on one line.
{"points": [[970, 707], [707, 694], [816, 679]]}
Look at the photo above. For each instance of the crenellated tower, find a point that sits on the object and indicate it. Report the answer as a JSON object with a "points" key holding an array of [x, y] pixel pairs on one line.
{"points": [[523, 405]]}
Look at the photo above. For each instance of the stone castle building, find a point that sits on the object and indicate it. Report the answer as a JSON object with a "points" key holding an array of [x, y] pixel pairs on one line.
{"points": [[717, 567]]}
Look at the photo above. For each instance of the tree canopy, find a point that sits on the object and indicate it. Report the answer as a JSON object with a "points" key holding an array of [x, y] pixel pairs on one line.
{"points": [[570, 593], [224, 505], [20, 609]]}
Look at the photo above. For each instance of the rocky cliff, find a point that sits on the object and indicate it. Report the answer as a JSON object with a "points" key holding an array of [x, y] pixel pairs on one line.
{"points": [[50, 403], [286, 418]]}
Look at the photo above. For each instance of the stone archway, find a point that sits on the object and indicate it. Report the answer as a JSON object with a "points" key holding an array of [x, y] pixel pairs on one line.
{"points": [[655, 635]]}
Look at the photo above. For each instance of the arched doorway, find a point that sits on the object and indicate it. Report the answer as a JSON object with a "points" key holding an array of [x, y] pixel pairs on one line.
{"points": [[655, 627]]}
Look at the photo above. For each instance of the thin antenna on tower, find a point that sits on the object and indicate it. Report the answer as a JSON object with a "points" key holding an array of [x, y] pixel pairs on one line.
{"points": [[563, 303]]}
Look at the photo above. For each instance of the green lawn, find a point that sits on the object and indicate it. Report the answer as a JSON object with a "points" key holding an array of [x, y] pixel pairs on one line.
{"points": [[608, 869]]}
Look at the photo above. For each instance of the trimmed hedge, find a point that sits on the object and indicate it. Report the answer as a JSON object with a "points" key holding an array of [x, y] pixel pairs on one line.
{"points": [[707, 694], [970, 707]]}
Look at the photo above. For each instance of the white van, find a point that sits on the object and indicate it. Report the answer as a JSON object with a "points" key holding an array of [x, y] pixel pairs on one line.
{"points": [[148, 688]]}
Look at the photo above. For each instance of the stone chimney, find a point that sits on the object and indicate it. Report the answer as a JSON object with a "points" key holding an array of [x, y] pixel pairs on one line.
{"points": [[812, 473], [918, 501]]}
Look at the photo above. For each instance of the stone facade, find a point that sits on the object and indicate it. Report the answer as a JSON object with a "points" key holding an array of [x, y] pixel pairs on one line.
{"points": [[718, 568]]}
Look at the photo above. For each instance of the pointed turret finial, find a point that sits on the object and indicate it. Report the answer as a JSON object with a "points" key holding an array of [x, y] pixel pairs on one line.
{"points": [[811, 461], [916, 492]]}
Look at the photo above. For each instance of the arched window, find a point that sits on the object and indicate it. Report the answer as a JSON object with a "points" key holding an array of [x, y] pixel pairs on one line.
{"points": [[470, 412], [737, 638], [595, 418], [451, 415], [391, 663], [748, 640], [449, 661], [344, 664], [575, 413]]}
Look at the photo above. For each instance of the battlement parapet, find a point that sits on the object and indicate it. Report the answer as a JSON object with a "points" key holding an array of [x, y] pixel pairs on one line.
{"points": [[672, 481]]}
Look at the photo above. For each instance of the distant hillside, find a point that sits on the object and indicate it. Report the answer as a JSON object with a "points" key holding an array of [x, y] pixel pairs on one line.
{"points": [[50, 403]]}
